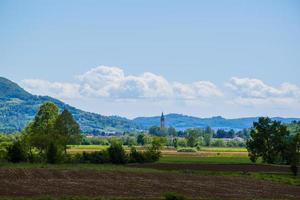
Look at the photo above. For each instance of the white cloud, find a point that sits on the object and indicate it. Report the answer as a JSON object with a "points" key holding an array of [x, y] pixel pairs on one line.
{"points": [[111, 82], [109, 90], [54, 89], [255, 92], [196, 90]]}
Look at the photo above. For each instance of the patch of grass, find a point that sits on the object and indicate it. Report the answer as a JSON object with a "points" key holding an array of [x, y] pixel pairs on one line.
{"points": [[187, 150], [197, 159], [75, 198], [96, 147], [99, 167], [224, 149]]}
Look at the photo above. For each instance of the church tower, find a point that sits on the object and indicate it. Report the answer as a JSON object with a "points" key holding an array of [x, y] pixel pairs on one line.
{"points": [[162, 121]]}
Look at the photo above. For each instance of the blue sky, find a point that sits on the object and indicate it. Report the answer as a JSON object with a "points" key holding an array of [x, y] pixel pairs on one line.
{"points": [[232, 58]]}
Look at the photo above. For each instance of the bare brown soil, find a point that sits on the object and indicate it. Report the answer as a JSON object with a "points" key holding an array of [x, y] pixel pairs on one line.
{"points": [[36, 182], [215, 167]]}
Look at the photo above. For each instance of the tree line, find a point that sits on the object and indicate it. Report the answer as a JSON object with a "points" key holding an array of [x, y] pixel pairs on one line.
{"points": [[45, 139], [219, 133]]}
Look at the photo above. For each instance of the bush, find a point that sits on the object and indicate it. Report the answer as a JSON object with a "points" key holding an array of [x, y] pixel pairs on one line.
{"points": [[174, 196], [294, 169], [98, 157], [181, 142], [187, 150], [152, 154], [136, 157], [52, 155], [15, 152], [117, 153], [218, 143]]}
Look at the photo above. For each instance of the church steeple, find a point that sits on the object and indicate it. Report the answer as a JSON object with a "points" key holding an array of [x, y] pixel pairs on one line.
{"points": [[162, 121]]}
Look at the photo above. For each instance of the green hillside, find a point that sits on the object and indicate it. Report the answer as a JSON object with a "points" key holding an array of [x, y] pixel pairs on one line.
{"points": [[18, 107]]}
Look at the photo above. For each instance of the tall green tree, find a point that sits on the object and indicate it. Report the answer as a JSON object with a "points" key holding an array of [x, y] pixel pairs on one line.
{"points": [[41, 130], [192, 136], [294, 154], [141, 139], [269, 140], [208, 134], [172, 131], [67, 130]]}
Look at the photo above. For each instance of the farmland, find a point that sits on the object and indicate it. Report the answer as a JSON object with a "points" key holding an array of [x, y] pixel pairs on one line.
{"points": [[206, 174]]}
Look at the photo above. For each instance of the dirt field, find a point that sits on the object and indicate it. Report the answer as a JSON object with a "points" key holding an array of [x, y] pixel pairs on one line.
{"points": [[216, 167], [32, 182]]}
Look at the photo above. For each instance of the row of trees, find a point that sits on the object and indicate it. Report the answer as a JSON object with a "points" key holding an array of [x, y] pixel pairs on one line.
{"points": [[45, 139], [273, 143], [142, 139], [208, 132]]}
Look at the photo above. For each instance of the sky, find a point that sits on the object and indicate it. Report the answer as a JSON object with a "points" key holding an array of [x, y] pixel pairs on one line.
{"points": [[132, 58]]}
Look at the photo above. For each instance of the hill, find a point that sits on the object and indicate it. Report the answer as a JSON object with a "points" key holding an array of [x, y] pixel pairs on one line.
{"points": [[182, 122], [18, 107]]}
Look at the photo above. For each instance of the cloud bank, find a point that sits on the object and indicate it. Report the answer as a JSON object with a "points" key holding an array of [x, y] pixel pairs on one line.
{"points": [[111, 82], [112, 87]]}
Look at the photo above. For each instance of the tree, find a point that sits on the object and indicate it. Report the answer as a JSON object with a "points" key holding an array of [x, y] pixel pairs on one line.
{"points": [[208, 133], [157, 131], [141, 139], [15, 152], [172, 131], [117, 153], [294, 154], [245, 133], [218, 143], [231, 133], [52, 154], [41, 130], [175, 142], [225, 134], [192, 136], [67, 130], [221, 133], [269, 140], [154, 130], [181, 142]]}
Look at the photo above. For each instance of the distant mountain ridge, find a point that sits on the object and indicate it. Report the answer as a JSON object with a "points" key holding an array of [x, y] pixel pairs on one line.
{"points": [[18, 107], [182, 122]]}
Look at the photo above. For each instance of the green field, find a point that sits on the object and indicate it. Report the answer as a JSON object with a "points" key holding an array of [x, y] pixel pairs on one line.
{"points": [[198, 159], [96, 147], [224, 149]]}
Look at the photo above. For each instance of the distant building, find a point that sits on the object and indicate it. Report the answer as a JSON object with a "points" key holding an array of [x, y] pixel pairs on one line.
{"points": [[162, 121]]}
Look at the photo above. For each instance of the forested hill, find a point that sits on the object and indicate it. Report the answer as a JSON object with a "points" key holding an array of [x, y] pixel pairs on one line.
{"points": [[18, 107], [182, 122]]}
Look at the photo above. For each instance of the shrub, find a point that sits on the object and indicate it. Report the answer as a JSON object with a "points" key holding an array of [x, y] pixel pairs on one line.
{"points": [[187, 150], [98, 157], [15, 152], [181, 142], [218, 143], [136, 157], [52, 154], [174, 196], [294, 169], [117, 153], [152, 154]]}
